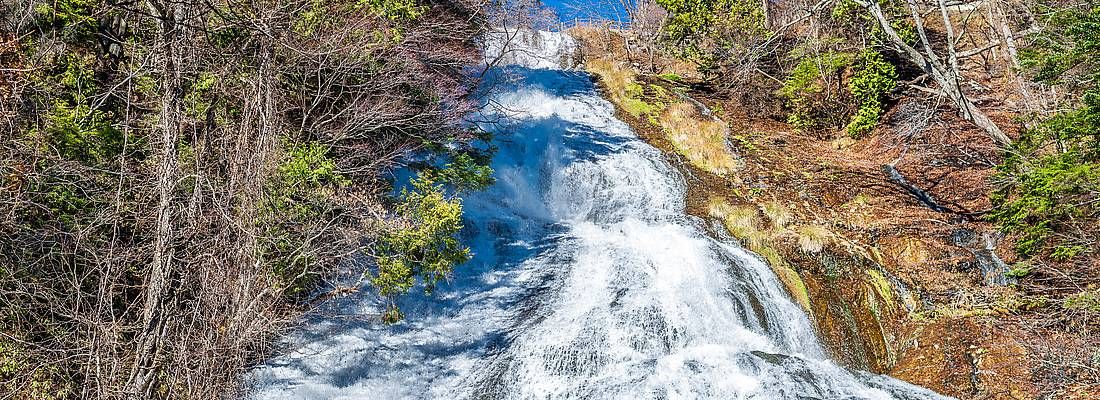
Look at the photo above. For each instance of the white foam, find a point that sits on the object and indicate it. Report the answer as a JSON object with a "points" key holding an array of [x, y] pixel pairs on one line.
{"points": [[529, 48], [587, 282]]}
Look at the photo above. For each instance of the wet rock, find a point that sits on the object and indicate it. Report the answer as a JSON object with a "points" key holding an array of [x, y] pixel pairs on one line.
{"points": [[776, 359]]}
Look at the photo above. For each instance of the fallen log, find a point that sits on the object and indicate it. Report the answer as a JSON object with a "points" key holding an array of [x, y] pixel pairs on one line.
{"points": [[921, 196]]}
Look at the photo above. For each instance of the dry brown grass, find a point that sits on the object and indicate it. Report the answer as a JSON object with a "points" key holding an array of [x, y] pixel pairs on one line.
{"points": [[812, 239], [702, 140], [743, 222], [779, 215], [614, 75]]}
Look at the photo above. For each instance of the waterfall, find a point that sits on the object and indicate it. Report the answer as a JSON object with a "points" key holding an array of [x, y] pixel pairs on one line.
{"points": [[530, 49], [588, 282]]}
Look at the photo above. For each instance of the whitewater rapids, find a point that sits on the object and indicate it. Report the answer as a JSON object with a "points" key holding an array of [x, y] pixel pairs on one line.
{"points": [[588, 281]]}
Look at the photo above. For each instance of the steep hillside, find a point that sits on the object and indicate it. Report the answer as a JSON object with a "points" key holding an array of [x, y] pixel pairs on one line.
{"points": [[882, 238]]}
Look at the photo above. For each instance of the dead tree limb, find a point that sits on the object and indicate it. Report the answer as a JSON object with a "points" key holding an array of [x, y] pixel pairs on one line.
{"points": [[934, 67]]}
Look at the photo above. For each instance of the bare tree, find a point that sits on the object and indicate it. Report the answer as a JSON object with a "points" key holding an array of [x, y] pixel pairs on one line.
{"points": [[647, 19], [156, 251], [945, 74]]}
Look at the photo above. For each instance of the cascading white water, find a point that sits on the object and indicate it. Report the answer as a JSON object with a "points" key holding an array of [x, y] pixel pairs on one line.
{"points": [[530, 49], [588, 282]]}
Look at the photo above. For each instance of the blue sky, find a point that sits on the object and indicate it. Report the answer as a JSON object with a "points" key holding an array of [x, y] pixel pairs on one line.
{"points": [[568, 9]]}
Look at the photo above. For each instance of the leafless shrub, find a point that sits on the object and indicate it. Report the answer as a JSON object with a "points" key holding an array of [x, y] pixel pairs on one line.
{"points": [[163, 267]]}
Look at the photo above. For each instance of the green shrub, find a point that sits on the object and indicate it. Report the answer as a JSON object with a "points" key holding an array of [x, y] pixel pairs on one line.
{"points": [[1050, 179], [81, 133], [671, 77], [309, 165], [45, 382], [816, 101], [424, 246], [395, 10], [872, 79], [72, 127], [1019, 270], [863, 122], [1088, 300], [813, 101], [198, 100], [1043, 195], [75, 17], [463, 173], [297, 201], [850, 13], [1069, 42], [1065, 252], [705, 30]]}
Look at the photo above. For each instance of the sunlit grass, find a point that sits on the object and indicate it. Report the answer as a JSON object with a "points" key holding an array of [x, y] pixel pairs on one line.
{"points": [[614, 76], [741, 222], [812, 239], [701, 139], [777, 213], [744, 223]]}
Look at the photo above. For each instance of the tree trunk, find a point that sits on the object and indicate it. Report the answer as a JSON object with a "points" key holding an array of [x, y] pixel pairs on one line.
{"points": [[765, 7], [157, 283]]}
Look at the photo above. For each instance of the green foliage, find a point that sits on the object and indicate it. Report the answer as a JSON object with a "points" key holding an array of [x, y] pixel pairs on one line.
{"points": [[75, 17], [808, 91], [73, 128], [905, 30], [1075, 130], [671, 77], [1065, 252], [395, 10], [638, 104], [1043, 195], [1070, 41], [64, 199], [692, 18], [463, 173], [197, 101], [392, 315], [81, 133], [43, 382], [864, 121], [1050, 179], [299, 197], [703, 29], [1019, 270], [872, 79], [10, 360], [851, 14], [308, 165], [1088, 300], [814, 94], [425, 246], [306, 178], [844, 10], [310, 19]]}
